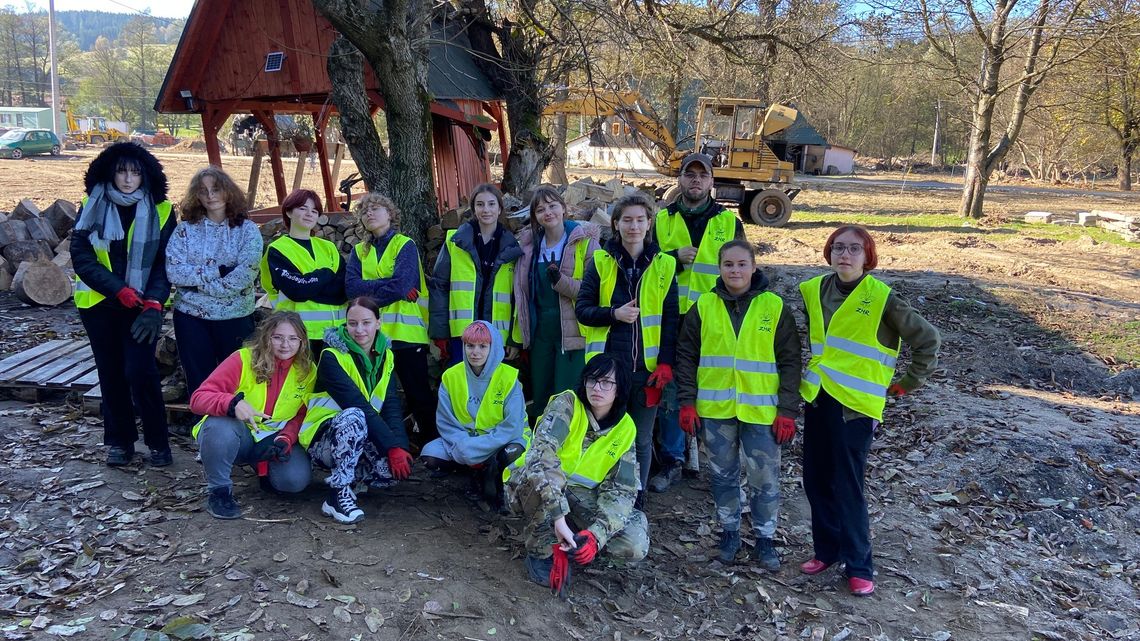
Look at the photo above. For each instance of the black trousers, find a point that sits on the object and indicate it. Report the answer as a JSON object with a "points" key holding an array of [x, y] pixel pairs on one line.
{"points": [[835, 459], [412, 370], [128, 378], [204, 344]]}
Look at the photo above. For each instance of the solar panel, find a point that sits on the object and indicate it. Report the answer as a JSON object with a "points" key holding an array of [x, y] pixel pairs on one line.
{"points": [[274, 61]]}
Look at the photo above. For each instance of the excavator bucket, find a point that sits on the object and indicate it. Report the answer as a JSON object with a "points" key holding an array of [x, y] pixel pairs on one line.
{"points": [[778, 118]]}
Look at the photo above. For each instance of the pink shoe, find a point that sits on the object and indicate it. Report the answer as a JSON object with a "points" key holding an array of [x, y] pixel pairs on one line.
{"points": [[860, 587], [814, 566]]}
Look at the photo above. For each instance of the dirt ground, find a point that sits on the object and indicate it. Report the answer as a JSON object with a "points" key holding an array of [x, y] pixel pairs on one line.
{"points": [[1003, 494]]}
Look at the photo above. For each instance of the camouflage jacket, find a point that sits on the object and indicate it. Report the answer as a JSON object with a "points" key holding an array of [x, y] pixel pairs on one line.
{"points": [[542, 478]]}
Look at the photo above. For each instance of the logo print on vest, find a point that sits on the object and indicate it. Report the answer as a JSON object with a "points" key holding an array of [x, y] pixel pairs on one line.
{"points": [[862, 309]]}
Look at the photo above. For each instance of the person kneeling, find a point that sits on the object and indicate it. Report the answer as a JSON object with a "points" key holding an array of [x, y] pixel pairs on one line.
{"points": [[580, 468], [355, 424], [481, 414], [253, 406]]}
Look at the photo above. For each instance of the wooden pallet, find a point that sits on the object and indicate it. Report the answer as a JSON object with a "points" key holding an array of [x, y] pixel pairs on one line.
{"points": [[62, 364], [93, 398]]}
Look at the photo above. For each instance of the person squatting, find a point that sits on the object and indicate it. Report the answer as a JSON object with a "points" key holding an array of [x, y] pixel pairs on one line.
{"points": [[624, 348]]}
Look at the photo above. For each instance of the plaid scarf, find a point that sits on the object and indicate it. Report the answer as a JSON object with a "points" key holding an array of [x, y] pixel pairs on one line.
{"points": [[101, 219]]}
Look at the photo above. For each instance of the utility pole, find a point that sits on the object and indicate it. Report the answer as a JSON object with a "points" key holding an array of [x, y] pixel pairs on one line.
{"points": [[934, 145], [54, 75]]}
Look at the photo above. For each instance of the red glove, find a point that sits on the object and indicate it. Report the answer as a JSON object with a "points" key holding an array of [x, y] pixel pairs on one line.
{"points": [[262, 468], [400, 462], [783, 429], [661, 377], [560, 573], [286, 445], [652, 396], [587, 547], [413, 295], [689, 420], [152, 304], [444, 354], [896, 390], [129, 298]]}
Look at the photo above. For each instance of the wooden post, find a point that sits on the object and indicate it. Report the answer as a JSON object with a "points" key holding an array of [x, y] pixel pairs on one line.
{"points": [[269, 123], [210, 129], [254, 174], [299, 172], [321, 122], [338, 155]]}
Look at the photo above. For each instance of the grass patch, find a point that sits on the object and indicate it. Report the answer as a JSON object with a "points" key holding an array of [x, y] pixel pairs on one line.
{"points": [[1121, 342], [1069, 232], [872, 220]]}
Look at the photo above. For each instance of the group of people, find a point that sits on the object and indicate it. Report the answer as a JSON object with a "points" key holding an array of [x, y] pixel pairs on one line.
{"points": [[669, 329]]}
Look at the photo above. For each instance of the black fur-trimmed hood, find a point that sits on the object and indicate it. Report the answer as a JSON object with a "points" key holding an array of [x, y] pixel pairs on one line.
{"points": [[102, 169]]}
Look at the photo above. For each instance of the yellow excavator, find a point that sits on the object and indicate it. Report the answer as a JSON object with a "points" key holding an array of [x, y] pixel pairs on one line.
{"points": [[96, 132], [731, 130]]}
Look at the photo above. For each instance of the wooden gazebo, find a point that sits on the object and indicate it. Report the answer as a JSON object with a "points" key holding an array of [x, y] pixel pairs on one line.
{"points": [[267, 57]]}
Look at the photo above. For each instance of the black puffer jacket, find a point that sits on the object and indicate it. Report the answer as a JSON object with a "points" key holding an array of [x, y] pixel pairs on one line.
{"points": [[625, 339]]}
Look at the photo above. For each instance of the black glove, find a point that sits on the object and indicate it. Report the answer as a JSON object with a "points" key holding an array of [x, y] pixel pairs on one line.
{"points": [[223, 270], [271, 448], [147, 326], [553, 273]]}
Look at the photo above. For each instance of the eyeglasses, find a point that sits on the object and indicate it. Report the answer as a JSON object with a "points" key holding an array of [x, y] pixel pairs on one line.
{"points": [[852, 249], [603, 384], [285, 340], [693, 177]]}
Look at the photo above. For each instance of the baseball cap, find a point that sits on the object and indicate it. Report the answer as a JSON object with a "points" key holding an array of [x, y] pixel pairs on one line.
{"points": [[704, 159]]}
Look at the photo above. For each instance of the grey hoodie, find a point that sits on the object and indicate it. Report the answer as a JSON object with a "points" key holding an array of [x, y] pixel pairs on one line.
{"points": [[462, 443]]}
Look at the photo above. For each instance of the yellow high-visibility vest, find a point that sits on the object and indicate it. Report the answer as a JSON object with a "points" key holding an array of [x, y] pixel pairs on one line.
{"points": [[700, 277], [651, 292], [586, 467], [736, 374], [461, 299], [322, 407], [84, 296], [491, 408], [847, 359], [403, 320], [317, 316], [294, 392]]}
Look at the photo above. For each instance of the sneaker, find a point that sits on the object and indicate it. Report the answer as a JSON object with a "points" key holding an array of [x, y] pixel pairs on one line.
{"points": [[764, 553], [666, 478], [813, 567], [341, 505], [161, 458], [539, 569], [860, 587], [221, 504], [729, 545], [119, 456]]}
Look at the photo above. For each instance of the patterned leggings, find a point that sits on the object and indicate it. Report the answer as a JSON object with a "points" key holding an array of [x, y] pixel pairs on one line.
{"points": [[342, 447]]}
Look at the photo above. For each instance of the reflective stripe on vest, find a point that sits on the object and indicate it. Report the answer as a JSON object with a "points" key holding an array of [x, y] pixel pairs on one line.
{"points": [[651, 300], [461, 298], [493, 403], [294, 392], [736, 374], [86, 297], [322, 407], [403, 320], [317, 316], [700, 277], [846, 358], [589, 467]]}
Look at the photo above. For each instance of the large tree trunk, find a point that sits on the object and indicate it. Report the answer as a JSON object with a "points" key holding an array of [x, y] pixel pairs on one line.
{"points": [[346, 72], [1126, 171], [557, 167], [392, 35]]}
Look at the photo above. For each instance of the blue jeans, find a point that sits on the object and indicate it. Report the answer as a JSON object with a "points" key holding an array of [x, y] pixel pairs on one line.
{"points": [[225, 441], [670, 436]]}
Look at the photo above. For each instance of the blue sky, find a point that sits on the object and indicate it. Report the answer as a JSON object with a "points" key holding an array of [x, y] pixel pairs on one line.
{"points": [[164, 8]]}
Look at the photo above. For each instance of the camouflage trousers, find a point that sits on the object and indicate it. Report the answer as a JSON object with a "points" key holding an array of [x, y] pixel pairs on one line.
{"points": [[728, 442], [630, 544]]}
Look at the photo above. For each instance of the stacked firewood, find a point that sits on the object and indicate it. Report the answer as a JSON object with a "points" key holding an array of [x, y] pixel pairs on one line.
{"points": [[35, 256]]}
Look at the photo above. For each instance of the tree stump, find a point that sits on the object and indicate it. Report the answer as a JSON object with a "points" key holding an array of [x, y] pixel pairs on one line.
{"points": [[61, 216], [12, 231], [26, 250], [41, 283], [40, 229]]}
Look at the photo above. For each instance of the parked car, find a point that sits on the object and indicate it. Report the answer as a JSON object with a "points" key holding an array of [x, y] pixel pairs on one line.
{"points": [[18, 143]]}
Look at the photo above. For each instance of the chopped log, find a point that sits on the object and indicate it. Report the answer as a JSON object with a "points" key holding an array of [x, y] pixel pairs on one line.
{"points": [[12, 231], [24, 210], [26, 250], [5, 275], [63, 260], [61, 216], [41, 283], [40, 229], [64, 246]]}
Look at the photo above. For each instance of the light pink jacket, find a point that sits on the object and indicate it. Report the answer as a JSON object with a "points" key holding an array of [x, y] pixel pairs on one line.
{"points": [[567, 286]]}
